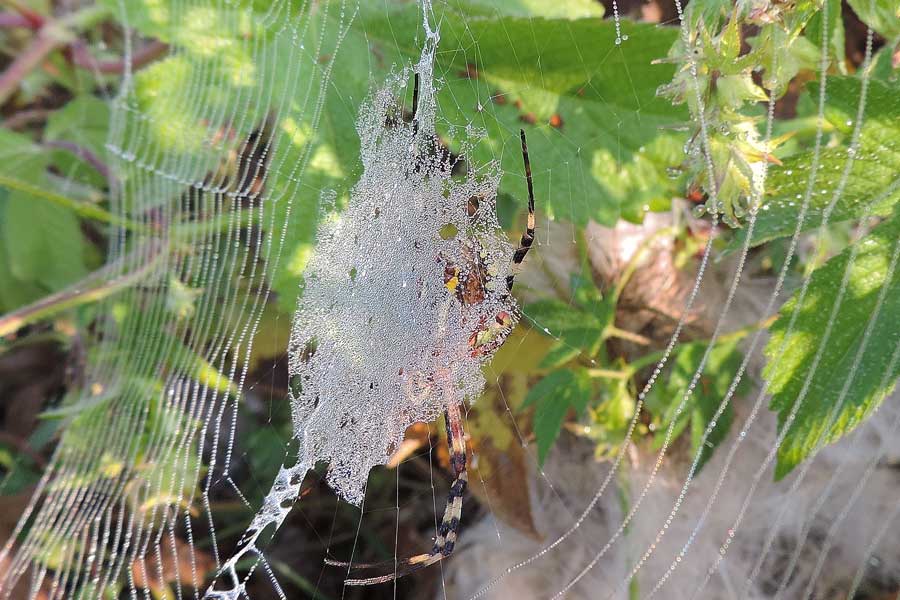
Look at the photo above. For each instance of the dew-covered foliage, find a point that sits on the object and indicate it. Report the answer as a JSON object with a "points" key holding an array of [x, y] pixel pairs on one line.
{"points": [[404, 287]]}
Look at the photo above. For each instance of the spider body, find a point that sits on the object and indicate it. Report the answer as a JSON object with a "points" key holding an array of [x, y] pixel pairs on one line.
{"points": [[469, 281], [469, 285]]}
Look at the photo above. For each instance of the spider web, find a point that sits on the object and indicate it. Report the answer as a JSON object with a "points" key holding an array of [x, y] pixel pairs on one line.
{"points": [[221, 153], [193, 143]]}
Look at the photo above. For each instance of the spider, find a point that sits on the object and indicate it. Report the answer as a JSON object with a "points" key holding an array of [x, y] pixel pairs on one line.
{"points": [[469, 286]]}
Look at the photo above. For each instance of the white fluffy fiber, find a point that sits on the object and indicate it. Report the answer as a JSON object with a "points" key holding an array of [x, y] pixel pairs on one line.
{"points": [[807, 536], [832, 542]]}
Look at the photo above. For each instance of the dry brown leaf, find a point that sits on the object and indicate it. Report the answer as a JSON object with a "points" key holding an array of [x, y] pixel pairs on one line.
{"points": [[416, 437], [11, 508], [178, 566], [498, 467]]}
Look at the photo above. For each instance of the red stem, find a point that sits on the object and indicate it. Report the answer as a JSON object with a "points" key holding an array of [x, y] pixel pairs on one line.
{"points": [[40, 48], [47, 40], [24, 118], [35, 19], [84, 154], [82, 57]]}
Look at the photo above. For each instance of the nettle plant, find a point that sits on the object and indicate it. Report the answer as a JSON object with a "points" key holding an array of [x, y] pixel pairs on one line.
{"points": [[832, 351], [787, 135]]}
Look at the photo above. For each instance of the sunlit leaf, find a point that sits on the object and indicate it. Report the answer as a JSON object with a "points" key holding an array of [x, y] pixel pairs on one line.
{"points": [[833, 403], [43, 242], [881, 15], [872, 186]]}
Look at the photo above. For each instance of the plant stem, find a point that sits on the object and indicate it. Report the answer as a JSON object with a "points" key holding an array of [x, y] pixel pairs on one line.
{"points": [[609, 374], [92, 288], [82, 209], [644, 361], [744, 331], [654, 357], [613, 331], [48, 39], [51, 35], [85, 154], [10, 20], [35, 19], [86, 18], [23, 118], [81, 57]]}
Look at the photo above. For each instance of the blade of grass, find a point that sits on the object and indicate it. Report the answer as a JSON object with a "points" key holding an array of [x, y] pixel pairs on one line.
{"points": [[96, 286]]}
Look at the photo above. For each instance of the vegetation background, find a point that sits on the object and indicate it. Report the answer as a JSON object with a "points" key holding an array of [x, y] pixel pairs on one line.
{"points": [[598, 316]]}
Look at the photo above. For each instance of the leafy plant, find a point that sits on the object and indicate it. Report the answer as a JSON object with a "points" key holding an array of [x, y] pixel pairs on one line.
{"points": [[614, 134], [813, 350], [705, 413], [870, 187], [583, 376], [833, 353]]}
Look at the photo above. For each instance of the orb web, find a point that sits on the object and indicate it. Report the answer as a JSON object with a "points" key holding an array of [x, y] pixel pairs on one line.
{"points": [[383, 334]]}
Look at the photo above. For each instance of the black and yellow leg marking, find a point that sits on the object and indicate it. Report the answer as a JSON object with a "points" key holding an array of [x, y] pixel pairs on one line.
{"points": [[528, 236], [415, 104], [449, 527], [448, 530]]}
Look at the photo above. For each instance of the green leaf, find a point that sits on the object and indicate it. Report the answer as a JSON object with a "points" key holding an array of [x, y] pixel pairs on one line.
{"points": [[43, 241], [17, 471], [610, 421], [881, 15], [834, 31], [578, 326], [177, 95], [553, 396], [703, 403], [580, 323], [577, 331], [872, 184], [584, 291], [609, 152], [606, 99], [83, 121], [18, 153], [824, 416], [572, 343], [554, 316], [160, 346], [13, 291], [559, 354], [564, 9]]}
